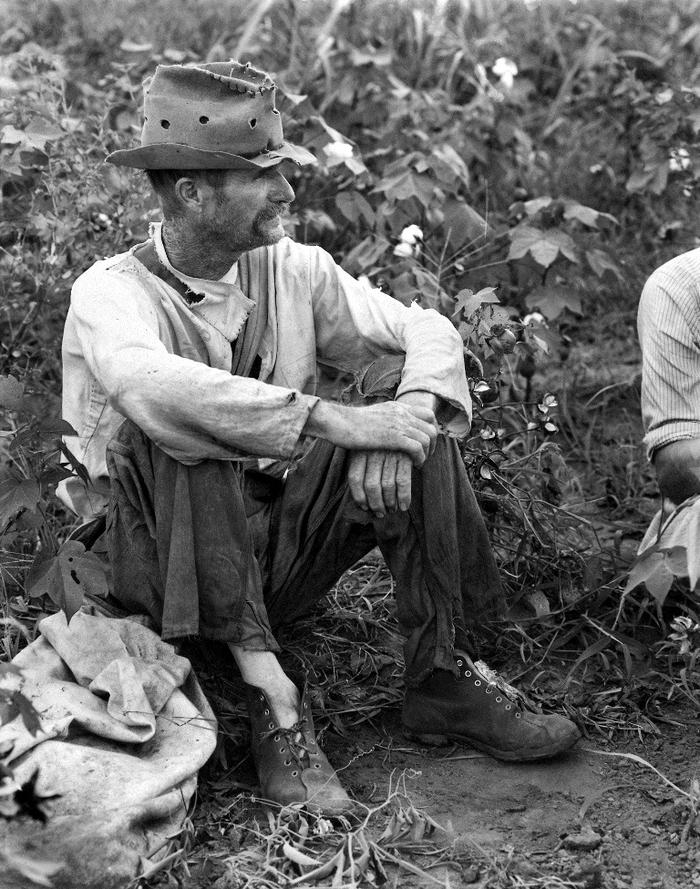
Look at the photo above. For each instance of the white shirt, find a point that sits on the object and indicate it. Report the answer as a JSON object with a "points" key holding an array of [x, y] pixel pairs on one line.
{"points": [[133, 347]]}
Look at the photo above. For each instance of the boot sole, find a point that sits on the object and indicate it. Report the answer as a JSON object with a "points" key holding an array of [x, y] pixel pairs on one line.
{"points": [[442, 740]]}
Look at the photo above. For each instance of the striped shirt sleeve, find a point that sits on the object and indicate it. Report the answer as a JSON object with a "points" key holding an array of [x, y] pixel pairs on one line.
{"points": [[669, 334]]}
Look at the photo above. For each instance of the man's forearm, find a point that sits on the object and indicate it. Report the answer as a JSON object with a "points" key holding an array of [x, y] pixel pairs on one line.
{"points": [[677, 468]]}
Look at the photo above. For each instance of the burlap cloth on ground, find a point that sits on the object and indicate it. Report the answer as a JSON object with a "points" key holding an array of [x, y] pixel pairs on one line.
{"points": [[125, 730]]}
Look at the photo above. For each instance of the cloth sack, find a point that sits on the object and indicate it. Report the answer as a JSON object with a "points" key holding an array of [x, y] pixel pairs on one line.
{"points": [[125, 729]]}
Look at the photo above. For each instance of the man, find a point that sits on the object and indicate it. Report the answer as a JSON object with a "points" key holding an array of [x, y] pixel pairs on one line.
{"points": [[237, 496], [669, 334]]}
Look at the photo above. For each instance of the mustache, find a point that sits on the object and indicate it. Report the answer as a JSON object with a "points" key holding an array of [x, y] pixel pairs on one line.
{"points": [[281, 210]]}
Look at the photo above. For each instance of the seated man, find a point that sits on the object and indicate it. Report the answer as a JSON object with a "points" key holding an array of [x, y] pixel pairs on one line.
{"points": [[669, 334], [237, 496]]}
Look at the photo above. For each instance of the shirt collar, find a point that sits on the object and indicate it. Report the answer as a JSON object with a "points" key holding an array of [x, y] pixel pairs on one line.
{"points": [[224, 305]]}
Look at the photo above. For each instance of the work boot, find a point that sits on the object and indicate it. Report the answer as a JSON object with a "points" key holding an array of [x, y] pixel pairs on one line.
{"points": [[291, 767], [480, 708]]}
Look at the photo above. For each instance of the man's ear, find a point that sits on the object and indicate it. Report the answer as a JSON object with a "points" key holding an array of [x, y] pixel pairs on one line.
{"points": [[188, 193]]}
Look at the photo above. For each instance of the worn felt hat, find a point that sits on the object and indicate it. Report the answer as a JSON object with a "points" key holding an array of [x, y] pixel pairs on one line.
{"points": [[218, 115]]}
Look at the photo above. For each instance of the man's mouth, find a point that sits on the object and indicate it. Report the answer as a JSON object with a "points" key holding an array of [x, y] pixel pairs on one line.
{"points": [[274, 213]]}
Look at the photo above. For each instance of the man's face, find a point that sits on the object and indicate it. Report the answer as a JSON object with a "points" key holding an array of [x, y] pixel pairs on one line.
{"points": [[246, 211]]}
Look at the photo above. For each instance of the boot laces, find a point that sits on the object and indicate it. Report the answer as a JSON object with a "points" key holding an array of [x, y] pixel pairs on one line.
{"points": [[295, 739], [495, 680]]}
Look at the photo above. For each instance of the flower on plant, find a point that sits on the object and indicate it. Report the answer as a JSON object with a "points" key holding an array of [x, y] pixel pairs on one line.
{"points": [[338, 151], [410, 241], [412, 234], [404, 250], [678, 160], [534, 318], [505, 70], [683, 629]]}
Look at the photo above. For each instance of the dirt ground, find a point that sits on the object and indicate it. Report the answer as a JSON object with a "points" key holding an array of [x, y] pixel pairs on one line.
{"points": [[599, 817], [595, 820]]}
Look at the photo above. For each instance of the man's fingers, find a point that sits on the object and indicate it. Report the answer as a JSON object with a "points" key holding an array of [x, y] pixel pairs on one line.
{"points": [[373, 483], [389, 491], [356, 478], [404, 471]]}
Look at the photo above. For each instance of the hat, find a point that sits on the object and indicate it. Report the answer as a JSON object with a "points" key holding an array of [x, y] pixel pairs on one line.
{"points": [[219, 115]]}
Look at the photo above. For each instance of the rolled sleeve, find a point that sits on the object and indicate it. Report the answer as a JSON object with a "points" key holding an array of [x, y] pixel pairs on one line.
{"points": [[356, 323], [669, 334]]}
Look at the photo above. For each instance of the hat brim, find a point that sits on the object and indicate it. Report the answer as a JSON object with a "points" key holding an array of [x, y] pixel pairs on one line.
{"points": [[174, 156]]}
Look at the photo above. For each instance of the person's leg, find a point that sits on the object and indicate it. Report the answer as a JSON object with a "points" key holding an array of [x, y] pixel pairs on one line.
{"points": [[447, 586], [182, 542]]}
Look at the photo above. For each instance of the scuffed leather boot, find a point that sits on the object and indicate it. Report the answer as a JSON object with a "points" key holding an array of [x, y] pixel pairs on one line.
{"points": [[484, 711], [291, 767]]}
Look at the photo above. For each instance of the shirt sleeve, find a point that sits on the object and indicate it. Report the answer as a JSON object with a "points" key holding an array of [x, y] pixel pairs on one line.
{"points": [[189, 409], [356, 323], [669, 334]]}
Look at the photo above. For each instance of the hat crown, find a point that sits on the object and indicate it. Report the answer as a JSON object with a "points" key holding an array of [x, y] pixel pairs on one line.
{"points": [[218, 106]]}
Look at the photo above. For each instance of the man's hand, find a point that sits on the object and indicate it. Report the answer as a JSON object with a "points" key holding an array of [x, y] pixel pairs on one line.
{"points": [[380, 481], [387, 426]]}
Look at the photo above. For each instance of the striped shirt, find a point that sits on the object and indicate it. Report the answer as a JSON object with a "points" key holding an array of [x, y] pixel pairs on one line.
{"points": [[669, 333]]}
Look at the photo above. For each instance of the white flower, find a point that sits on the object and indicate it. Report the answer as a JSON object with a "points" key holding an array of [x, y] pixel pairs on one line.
{"points": [[338, 150], [533, 318], [678, 160], [411, 234], [403, 249], [505, 70]]}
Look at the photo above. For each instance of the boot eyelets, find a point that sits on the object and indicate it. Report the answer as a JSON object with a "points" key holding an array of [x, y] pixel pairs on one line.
{"points": [[498, 699], [488, 690], [283, 749], [508, 706], [467, 673], [277, 739], [266, 712], [271, 724], [518, 715], [294, 773], [477, 682], [459, 663], [317, 765]]}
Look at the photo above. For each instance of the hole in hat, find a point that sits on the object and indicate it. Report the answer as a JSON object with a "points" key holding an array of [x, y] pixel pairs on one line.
{"points": [[253, 122], [165, 124], [204, 119]]}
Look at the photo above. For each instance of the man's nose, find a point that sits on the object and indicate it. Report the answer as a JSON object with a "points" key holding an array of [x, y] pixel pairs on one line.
{"points": [[282, 191]]}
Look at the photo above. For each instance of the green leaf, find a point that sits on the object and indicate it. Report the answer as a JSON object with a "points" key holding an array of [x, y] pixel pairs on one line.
{"points": [[40, 131], [354, 206], [544, 246], [533, 207], [651, 570], [585, 215], [552, 301], [16, 495], [693, 550], [468, 302], [600, 263], [11, 392], [66, 577]]}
